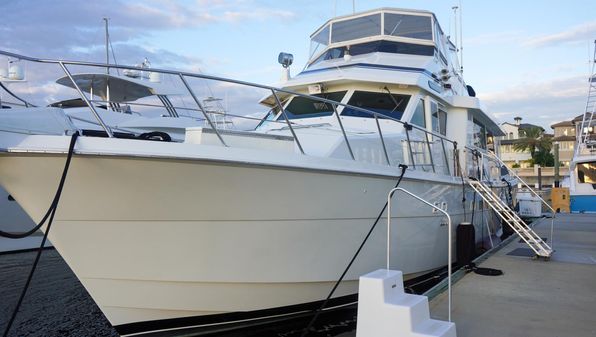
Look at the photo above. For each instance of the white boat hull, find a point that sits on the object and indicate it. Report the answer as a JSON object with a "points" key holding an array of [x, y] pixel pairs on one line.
{"points": [[153, 238]]}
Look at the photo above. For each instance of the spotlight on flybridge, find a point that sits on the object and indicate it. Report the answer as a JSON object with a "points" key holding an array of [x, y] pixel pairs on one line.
{"points": [[285, 59]]}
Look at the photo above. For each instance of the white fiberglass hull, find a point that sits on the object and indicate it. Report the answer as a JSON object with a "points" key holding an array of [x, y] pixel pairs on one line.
{"points": [[155, 238]]}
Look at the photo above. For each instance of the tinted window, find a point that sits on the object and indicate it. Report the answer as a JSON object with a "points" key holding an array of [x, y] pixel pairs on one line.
{"points": [[479, 135], [439, 119], [319, 41], [378, 46], [586, 173], [356, 28], [418, 117], [304, 107], [417, 27], [392, 105]]}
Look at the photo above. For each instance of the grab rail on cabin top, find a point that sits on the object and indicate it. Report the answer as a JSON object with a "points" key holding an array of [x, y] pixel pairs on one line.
{"points": [[501, 163], [449, 236], [183, 75]]}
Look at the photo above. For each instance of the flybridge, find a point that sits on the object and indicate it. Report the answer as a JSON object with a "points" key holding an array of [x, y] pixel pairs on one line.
{"points": [[385, 30]]}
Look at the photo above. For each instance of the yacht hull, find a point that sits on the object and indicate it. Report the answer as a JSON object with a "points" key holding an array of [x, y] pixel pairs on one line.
{"points": [[154, 239]]}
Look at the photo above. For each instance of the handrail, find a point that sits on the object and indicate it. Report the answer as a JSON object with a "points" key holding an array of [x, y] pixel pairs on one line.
{"points": [[518, 178], [214, 78], [76, 86], [183, 76], [343, 131], [553, 212], [283, 112], [194, 97], [449, 234]]}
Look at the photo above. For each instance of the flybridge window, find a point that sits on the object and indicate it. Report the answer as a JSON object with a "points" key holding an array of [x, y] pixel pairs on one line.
{"points": [[304, 107], [412, 26], [384, 103], [378, 46], [356, 28], [319, 41]]}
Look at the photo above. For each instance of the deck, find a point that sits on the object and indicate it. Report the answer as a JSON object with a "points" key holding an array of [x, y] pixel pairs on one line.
{"points": [[533, 297]]}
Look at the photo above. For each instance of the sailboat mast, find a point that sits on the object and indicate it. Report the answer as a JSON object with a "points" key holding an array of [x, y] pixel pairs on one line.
{"points": [[107, 45], [107, 62]]}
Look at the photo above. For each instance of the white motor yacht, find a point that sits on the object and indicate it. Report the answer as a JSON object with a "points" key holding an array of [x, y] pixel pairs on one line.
{"points": [[582, 169], [226, 228]]}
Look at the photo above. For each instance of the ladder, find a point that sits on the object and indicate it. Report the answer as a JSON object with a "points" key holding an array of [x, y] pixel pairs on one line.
{"points": [[528, 235]]}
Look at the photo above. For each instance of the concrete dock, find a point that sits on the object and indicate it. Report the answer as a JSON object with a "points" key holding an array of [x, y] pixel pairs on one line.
{"points": [[534, 297]]}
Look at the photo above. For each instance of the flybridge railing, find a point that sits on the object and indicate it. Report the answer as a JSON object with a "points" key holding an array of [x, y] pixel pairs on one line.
{"points": [[421, 149]]}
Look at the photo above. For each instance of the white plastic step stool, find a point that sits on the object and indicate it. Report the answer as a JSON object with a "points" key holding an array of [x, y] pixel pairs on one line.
{"points": [[385, 310]]}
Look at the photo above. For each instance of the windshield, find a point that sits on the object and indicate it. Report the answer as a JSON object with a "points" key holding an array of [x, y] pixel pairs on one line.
{"points": [[319, 41], [384, 103], [356, 28], [305, 107]]}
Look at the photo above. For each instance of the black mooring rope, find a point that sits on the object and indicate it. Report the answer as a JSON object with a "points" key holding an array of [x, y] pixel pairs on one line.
{"points": [[51, 212], [318, 311]]}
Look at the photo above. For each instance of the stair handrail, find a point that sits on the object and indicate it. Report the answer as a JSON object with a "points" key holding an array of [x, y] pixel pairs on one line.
{"points": [[449, 236], [553, 212], [519, 179]]}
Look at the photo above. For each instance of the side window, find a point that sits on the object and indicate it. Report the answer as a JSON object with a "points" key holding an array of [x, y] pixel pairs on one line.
{"points": [[385, 104], [479, 134], [438, 118], [418, 116], [305, 107], [586, 173]]}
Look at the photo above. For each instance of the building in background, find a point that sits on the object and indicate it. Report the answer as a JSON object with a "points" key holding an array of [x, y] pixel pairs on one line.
{"points": [[515, 131], [565, 136]]}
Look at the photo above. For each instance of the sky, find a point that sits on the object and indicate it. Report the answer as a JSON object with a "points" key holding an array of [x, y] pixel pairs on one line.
{"points": [[524, 58]]}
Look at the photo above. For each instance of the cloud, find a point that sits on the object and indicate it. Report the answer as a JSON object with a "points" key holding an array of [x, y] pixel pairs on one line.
{"points": [[506, 37], [74, 30], [70, 28], [579, 33], [541, 103], [258, 14]]}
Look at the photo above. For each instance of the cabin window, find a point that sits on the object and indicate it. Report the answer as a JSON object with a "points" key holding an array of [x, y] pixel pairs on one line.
{"points": [[418, 117], [438, 119], [412, 26], [479, 135], [319, 41], [304, 107], [586, 173], [384, 103], [357, 28], [378, 46]]}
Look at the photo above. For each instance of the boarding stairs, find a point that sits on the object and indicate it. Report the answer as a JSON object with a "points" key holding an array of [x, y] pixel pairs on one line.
{"points": [[385, 310], [508, 215]]}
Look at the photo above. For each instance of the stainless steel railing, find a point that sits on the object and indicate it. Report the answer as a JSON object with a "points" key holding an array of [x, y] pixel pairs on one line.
{"points": [[484, 176], [414, 134], [449, 236]]}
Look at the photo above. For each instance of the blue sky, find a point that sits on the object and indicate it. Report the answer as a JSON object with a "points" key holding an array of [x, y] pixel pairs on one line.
{"points": [[524, 58]]}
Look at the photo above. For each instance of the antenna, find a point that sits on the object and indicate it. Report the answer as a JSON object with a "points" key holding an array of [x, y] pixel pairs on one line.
{"points": [[353, 6], [461, 40]]}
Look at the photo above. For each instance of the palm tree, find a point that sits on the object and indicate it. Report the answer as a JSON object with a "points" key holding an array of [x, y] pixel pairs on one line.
{"points": [[533, 141]]}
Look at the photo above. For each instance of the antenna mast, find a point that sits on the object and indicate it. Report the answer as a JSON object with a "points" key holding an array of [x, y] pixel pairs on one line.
{"points": [[461, 40]]}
